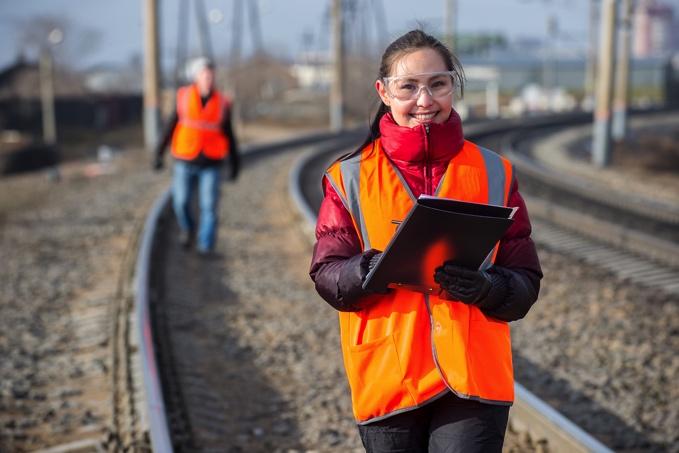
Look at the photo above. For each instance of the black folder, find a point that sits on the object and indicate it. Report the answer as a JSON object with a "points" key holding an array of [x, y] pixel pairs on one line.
{"points": [[434, 231]]}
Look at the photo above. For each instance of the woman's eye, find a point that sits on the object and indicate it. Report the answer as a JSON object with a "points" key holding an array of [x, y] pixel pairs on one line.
{"points": [[438, 84], [407, 86]]}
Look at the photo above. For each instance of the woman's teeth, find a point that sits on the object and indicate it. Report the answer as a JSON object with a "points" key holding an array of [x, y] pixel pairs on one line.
{"points": [[424, 116]]}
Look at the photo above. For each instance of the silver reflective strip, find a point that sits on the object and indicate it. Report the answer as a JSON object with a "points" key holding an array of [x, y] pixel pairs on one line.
{"points": [[183, 96], [405, 409], [438, 188], [488, 261], [403, 181], [495, 172], [351, 176], [196, 124], [333, 183]]}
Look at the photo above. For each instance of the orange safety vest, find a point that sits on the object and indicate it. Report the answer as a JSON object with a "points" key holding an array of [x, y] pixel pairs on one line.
{"points": [[199, 129], [407, 348]]}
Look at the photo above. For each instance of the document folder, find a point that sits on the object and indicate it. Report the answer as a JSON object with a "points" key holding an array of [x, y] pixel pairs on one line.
{"points": [[434, 231]]}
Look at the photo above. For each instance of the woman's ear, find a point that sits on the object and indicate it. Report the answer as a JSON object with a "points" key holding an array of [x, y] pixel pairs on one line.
{"points": [[382, 91]]}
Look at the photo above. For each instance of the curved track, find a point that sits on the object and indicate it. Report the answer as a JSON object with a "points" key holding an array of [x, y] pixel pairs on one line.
{"points": [[529, 414], [174, 393], [169, 407]]}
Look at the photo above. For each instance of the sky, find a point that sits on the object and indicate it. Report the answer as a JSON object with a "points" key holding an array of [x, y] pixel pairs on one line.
{"points": [[115, 26]]}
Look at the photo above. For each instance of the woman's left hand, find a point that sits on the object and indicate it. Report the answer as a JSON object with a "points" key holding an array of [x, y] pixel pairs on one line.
{"points": [[465, 285]]}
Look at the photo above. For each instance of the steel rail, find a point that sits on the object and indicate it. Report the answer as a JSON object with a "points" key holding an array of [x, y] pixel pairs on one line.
{"points": [[158, 427], [155, 414]]}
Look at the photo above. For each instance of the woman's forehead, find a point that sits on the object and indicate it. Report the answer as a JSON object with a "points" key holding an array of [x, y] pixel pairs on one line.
{"points": [[421, 61]]}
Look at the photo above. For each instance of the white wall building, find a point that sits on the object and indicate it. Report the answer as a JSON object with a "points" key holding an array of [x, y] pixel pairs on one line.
{"points": [[654, 29]]}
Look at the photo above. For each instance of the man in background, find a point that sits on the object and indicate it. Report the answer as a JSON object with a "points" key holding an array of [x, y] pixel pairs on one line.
{"points": [[201, 138]]}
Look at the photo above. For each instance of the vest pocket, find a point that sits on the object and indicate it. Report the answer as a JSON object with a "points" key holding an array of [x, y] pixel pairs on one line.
{"points": [[376, 377]]}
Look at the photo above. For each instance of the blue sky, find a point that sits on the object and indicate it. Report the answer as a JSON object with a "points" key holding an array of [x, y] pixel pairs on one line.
{"points": [[119, 25]]}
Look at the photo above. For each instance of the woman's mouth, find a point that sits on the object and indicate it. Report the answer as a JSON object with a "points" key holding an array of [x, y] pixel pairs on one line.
{"points": [[424, 117]]}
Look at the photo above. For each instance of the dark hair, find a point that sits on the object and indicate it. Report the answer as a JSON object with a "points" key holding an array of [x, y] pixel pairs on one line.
{"points": [[410, 42]]}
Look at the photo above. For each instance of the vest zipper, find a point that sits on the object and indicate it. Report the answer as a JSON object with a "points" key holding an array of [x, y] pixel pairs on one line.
{"points": [[427, 164]]}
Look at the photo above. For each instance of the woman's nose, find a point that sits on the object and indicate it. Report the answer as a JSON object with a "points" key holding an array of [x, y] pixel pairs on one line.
{"points": [[424, 97]]}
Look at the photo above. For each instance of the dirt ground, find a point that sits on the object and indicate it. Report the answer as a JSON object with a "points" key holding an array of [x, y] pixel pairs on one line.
{"points": [[649, 153], [645, 165]]}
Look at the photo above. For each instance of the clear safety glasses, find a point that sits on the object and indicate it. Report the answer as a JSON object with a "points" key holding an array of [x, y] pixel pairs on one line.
{"points": [[409, 87]]}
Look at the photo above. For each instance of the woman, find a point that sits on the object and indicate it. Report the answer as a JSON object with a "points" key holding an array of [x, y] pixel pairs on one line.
{"points": [[427, 372]]}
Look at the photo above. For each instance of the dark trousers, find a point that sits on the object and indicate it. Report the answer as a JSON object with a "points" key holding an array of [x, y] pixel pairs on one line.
{"points": [[449, 424]]}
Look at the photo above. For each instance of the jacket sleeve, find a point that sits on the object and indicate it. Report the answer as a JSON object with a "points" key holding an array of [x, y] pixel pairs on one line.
{"points": [[518, 264], [167, 134], [337, 257], [234, 152]]}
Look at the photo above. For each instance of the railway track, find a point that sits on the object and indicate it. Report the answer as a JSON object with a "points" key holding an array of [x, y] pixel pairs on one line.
{"points": [[171, 411], [174, 393], [67, 306], [642, 244], [585, 233]]}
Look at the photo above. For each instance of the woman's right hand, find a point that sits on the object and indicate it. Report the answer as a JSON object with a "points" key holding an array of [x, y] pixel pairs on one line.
{"points": [[353, 273]]}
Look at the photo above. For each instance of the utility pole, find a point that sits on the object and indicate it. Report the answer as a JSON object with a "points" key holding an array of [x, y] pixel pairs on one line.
{"points": [[549, 68], [151, 73], [49, 129], [337, 88], [182, 40], [450, 28], [590, 70], [46, 70], [621, 94], [601, 140], [381, 24], [255, 29]]}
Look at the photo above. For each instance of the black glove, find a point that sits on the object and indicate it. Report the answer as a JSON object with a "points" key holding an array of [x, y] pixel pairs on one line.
{"points": [[157, 163], [234, 172], [469, 286], [352, 275]]}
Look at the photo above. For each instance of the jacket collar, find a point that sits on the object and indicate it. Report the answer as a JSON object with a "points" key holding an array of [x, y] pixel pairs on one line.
{"points": [[414, 144]]}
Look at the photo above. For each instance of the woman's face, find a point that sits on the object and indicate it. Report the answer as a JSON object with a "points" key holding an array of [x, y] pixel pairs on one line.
{"points": [[423, 73]]}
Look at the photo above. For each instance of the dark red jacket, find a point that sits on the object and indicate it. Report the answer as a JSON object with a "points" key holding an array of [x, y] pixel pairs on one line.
{"points": [[422, 159]]}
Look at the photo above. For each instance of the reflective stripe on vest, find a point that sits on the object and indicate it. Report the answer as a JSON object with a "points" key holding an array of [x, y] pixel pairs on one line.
{"points": [[199, 128], [406, 349]]}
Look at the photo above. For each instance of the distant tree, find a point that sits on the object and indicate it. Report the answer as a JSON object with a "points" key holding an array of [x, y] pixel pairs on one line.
{"points": [[77, 41], [479, 43]]}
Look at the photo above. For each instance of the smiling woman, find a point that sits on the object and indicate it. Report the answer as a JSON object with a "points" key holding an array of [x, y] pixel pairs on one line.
{"points": [[419, 89], [427, 372]]}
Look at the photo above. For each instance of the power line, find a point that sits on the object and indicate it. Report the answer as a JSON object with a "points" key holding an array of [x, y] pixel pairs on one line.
{"points": [[204, 30], [182, 39], [255, 29], [236, 27]]}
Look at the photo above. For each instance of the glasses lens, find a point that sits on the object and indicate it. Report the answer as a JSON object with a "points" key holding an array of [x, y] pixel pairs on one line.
{"points": [[409, 87]]}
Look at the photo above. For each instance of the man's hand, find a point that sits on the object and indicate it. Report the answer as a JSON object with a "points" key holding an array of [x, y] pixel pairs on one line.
{"points": [[157, 163]]}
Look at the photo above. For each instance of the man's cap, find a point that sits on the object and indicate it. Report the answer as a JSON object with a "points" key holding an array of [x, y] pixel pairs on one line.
{"points": [[198, 64]]}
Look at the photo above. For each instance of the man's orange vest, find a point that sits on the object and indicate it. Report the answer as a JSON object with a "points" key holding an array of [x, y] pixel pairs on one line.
{"points": [[199, 128], [407, 348]]}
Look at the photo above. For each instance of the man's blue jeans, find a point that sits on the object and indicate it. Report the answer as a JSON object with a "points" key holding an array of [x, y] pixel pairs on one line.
{"points": [[186, 176]]}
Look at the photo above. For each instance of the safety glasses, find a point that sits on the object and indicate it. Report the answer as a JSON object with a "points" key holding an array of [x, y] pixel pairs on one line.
{"points": [[409, 87]]}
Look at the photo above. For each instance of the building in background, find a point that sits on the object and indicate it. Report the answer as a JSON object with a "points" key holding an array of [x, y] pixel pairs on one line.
{"points": [[655, 29]]}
